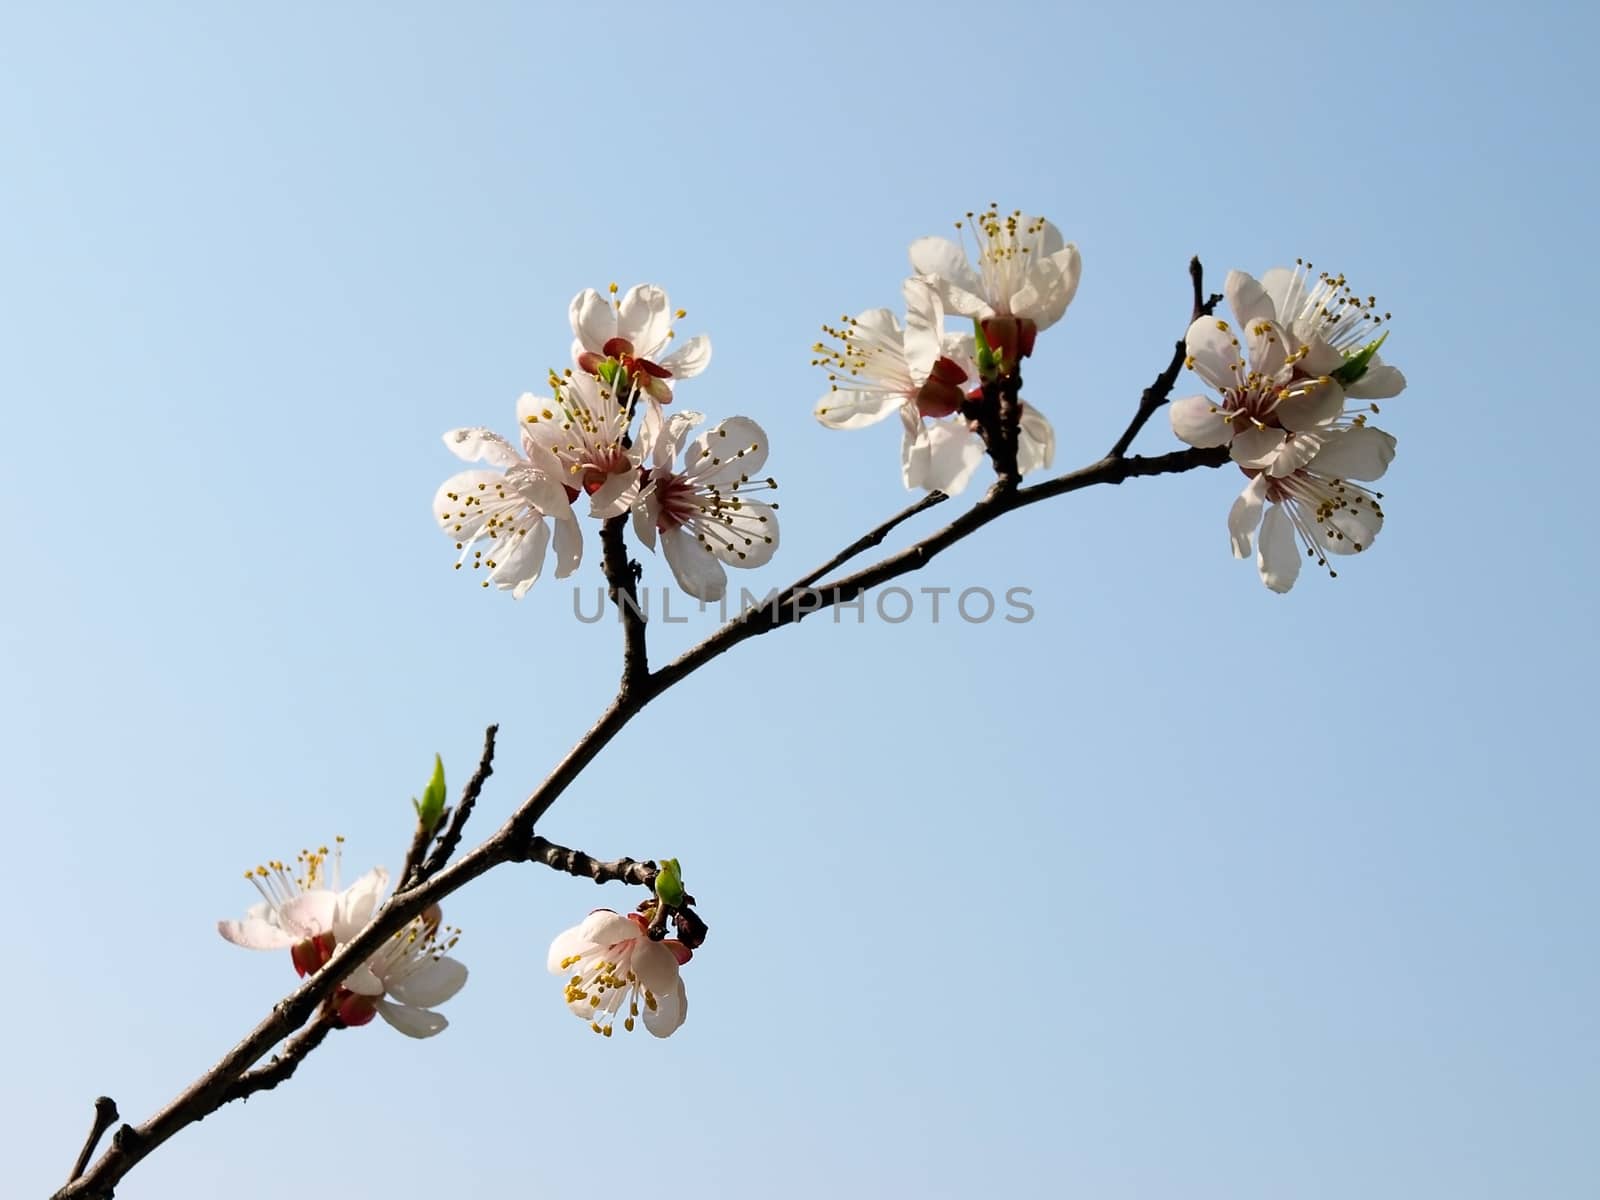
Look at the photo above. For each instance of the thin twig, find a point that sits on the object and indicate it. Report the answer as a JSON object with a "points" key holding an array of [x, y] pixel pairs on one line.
{"points": [[691, 929], [451, 837], [1156, 394], [105, 1116], [623, 588], [873, 538]]}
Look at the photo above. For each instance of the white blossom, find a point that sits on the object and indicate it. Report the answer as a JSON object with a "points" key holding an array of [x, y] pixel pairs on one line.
{"points": [[304, 909], [609, 961], [406, 979]]}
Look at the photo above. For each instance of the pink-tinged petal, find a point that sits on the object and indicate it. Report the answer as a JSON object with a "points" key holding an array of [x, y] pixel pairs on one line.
{"points": [[569, 546], [1379, 382], [1352, 529], [645, 319], [667, 1017], [694, 567], [1297, 450], [481, 445], [1252, 447], [1310, 404], [357, 903], [569, 944], [430, 984], [689, 359], [254, 933], [413, 1022], [594, 320], [1362, 453], [1198, 421], [847, 409], [1247, 299], [1036, 441], [1245, 515], [924, 332], [1278, 558], [1214, 353], [310, 913], [364, 982], [940, 456]]}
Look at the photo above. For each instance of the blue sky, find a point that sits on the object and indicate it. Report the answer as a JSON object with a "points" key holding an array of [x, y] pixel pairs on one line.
{"points": [[1180, 889]]}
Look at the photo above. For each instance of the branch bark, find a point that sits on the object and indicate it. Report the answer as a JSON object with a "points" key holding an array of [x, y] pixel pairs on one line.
{"points": [[1156, 394]]}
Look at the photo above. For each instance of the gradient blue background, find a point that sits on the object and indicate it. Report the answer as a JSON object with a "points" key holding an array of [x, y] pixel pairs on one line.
{"points": [[1183, 889]]}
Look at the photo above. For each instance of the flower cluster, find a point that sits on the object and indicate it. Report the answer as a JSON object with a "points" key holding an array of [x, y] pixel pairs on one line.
{"points": [[945, 385], [1292, 402], [306, 912], [610, 960], [603, 434]]}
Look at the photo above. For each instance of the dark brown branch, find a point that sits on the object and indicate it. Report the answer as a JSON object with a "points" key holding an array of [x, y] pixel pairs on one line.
{"points": [[690, 928], [873, 538], [283, 1065], [105, 1116], [213, 1089], [457, 821], [622, 579], [1156, 394]]}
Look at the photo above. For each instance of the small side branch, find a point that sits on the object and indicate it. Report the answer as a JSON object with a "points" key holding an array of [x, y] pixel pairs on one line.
{"points": [[457, 821], [870, 539], [690, 928], [283, 1065], [622, 580], [105, 1116], [1157, 393]]}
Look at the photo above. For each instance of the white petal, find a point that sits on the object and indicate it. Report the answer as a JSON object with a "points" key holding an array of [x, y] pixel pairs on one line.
{"points": [[735, 447], [1048, 287], [1213, 351], [1198, 421], [481, 445], [1247, 299], [459, 519], [646, 512], [616, 495], [945, 267], [1311, 404], [1036, 441], [1268, 350], [569, 546], [254, 933], [310, 913], [1278, 559], [645, 319], [846, 409], [924, 332], [694, 567], [655, 966], [751, 532], [689, 359], [940, 456], [519, 558], [363, 981], [1379, 382], [1245, 515], [431, 983], [667, 1017], [1362, 453], [1297, 450], [541, 490], [413, 1022], [1352, 529], [1287, 292], [594, 320], [1254, 447], [357, 903], [1321, 358]]}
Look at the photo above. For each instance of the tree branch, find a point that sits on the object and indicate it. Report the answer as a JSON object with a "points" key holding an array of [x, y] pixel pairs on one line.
{"points": [[872, 538], [513, 839], [283, 1065], [622, 576], [105, 1116], [1156, 394]]}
